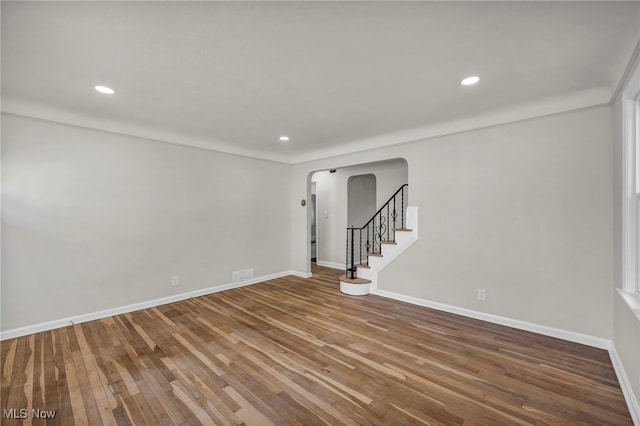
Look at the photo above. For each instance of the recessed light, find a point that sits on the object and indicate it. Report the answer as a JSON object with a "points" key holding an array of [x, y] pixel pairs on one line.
{"points": [[284, 138], [470, 80], [104, 89]]}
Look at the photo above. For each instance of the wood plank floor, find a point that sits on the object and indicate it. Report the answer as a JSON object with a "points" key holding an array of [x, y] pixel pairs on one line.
{"points": [[296, 351]]}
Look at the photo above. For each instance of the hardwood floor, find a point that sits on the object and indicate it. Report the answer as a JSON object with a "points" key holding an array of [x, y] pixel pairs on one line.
{"points": [[296, 351]]}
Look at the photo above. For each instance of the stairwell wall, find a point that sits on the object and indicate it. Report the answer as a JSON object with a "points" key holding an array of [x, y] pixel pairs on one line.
{"points": [[332, 199]]}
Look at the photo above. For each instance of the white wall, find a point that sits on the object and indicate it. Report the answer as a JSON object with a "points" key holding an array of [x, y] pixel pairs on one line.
{"points": [[332, 195], [522, 210], [92, 220], [361, 199]]}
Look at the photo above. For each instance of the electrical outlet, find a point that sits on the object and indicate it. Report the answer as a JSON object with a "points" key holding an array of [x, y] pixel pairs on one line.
{"points": [[175, 281], [482, 294]]}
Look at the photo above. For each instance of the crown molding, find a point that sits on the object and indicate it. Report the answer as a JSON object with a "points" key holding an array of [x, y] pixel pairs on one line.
{"points": [[549, 106], [22, 107], [626, 74]]}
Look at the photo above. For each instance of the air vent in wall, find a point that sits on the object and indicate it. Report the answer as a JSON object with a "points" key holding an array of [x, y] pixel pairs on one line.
{"points": [[241, 276]]}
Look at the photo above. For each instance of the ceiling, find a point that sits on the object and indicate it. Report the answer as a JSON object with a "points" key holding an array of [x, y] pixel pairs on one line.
{"points": [[336, 77]]}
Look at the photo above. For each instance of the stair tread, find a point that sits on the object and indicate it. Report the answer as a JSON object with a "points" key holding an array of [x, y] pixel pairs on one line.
{"points": [[402, 230], [388, 242], [375, 254], [344, 278], [362, 265]]}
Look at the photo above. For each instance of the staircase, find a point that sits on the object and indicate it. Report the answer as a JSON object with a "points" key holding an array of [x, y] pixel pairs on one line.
{"points": [[390, 231]]}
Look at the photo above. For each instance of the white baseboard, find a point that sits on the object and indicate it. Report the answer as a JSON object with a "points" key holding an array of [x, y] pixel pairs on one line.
{"points": [[633, 403], [571, 336], [78, 319], [301, 274], [333, 265]]}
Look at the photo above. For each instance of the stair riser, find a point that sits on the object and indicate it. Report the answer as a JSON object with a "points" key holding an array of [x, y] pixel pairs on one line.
{"points": [[389, 249], [375, 261], [402, 237], [366, 273], [354, 289]]}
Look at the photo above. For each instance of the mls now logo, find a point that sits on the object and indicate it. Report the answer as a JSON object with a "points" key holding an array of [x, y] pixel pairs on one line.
{"points": [[23, 413]]}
